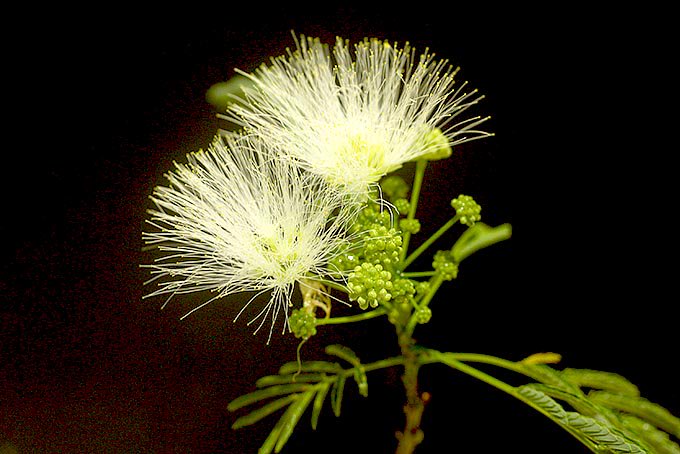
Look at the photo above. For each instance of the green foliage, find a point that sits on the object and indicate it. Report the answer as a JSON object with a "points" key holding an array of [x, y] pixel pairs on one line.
{"points": [[478, 237], [612, 417], [638, 406], [603, 410], [609, 381], [296, 387]]}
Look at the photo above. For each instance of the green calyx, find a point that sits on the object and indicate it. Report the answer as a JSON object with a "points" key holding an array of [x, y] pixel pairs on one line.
{"points": [[438, 144]]}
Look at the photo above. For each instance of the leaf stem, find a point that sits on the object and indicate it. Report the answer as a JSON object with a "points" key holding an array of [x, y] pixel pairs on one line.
{"points": [[418, 274], [435, 282], [453, 360], [413, 204], [351, 318], [382, 364], [331, 284], [435, 236], [412, 434]]}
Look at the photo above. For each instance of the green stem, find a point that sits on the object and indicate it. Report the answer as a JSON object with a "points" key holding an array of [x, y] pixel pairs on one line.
{"points": [[488, 359], [351, 318], [331, 284], [382, 364], [452, 360], [418, 274], [435, 282], [435, 236], [415, 195]]}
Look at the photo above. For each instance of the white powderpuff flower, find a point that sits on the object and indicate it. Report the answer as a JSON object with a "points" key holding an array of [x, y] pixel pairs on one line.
{"points": [[235, 219], [353, 117]]}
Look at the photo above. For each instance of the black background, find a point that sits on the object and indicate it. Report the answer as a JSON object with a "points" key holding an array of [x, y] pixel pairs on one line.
{"points": [[101, 102]]}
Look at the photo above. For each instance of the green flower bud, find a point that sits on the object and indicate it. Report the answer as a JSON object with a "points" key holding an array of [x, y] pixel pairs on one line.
{"points": [[423, 315], [410, 225], [444, 264], [402, 205], [394, 187], [368, 285], [302, 323], [467, 209], [422, 287]]}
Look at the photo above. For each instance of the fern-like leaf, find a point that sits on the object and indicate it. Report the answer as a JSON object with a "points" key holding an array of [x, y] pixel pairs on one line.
{"points": [[654, 437], [266, 393], [359, 372], [318, 402], [596, 379], [648, 411], [270, 380], [294, 367], [548, 376], [606, 439], [265, 410], [336, 394], [597, 436], [291, 417]]}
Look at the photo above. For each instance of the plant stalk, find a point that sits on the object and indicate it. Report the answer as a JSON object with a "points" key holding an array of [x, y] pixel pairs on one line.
{"points": [[412, 435]]}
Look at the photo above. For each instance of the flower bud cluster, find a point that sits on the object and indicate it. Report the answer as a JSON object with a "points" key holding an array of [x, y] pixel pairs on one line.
{"points": [[382, 246], [444, 264], [467, 209], [394, 187], [410, 225], [402, 205], [302, 323], [370, 285], [423, 314]]}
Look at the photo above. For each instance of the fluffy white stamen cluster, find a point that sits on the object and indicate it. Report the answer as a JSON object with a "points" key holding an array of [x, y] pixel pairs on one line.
{"points": [[235, 218], [353, 117]]}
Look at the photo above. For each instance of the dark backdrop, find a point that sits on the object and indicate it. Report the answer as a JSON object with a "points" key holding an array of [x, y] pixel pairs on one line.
{"points": [[103, 101]]}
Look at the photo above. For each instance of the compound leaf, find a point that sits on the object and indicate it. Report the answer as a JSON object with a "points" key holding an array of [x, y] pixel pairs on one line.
{"points": [[264, 411], [266, 393], [596, 379], [653, 413]]}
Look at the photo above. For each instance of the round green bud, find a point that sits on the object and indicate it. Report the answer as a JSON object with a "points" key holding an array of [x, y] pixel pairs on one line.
{"points": [[422, 287], [368, 285], [410, 225], [423, 315], [467, 209], [394, 187], [444, 264], [402, 205], [302, 323]]}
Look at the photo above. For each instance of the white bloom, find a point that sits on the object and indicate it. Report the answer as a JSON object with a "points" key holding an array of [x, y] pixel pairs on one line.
{"points": [[236, 219], [353, 117]]}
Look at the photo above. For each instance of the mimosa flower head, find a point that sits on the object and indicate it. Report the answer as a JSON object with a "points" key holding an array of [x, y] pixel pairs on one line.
{"points": [[235, 218], [355, 114]]}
